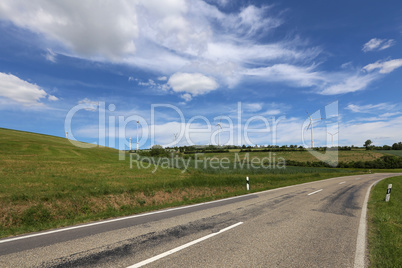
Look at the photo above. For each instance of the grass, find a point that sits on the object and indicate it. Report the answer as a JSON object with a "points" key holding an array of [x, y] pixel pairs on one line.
{"points": [[46, 182], [385, 224]]}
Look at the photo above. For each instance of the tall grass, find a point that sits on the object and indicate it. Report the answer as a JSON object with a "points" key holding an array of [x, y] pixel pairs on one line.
{"points": [[385, 224]]}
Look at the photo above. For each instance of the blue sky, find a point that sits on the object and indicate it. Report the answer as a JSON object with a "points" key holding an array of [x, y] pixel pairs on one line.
{"points": [[201, 63]]}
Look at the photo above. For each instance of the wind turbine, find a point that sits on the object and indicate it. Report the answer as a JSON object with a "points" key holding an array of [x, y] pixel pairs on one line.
{"points": [[175, 137], [219, 132], [311, 126], [332, 137]]}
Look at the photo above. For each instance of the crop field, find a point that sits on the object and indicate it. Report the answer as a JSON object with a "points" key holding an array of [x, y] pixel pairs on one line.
{"points": [[47, 182], [392, 152], [300, 156]]}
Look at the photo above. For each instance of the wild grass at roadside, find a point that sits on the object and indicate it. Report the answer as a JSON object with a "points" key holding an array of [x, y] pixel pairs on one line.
{"points": [[385, 224]]}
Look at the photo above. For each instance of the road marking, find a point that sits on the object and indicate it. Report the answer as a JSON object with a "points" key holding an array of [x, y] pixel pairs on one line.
{"points": [[118, 219], [315, 192], [342, 182], [160, 256], [155, 212], [302, 184], [361, 233]]}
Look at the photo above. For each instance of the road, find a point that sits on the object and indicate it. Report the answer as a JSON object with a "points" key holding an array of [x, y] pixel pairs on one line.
{"points": [[308, 225]]}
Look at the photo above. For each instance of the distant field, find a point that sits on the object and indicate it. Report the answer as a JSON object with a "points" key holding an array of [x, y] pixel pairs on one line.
{"points": [[393, 152], [47, 182], [302, 156]]}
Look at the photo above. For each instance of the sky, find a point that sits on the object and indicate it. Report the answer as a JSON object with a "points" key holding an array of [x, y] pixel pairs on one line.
{"points": [[210, 71]]}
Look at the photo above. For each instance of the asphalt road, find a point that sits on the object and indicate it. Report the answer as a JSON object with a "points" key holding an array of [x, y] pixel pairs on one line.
{"points": [[309, 225]]}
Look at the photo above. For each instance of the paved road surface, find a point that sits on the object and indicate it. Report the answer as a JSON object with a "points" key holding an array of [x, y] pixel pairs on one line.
{"points": [[308, 225]]}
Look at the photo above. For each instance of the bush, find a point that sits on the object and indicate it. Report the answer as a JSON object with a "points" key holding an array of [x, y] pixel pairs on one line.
{"points": [[158, 151]]}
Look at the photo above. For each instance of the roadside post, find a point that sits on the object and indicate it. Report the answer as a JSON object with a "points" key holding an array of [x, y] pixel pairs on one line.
{"points": [[248, 185], [387, 197]]}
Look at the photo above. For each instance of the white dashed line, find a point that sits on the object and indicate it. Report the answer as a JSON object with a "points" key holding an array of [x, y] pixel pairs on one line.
{"points": [[160, 256], [342, 182], [315, 192]]}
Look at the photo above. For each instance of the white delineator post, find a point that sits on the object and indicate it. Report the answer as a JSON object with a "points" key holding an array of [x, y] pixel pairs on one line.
{"points": [[387, 197], [130, 143], [248, 185], [137, 134]]}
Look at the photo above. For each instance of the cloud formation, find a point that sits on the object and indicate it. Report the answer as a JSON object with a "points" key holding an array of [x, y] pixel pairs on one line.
{"points": [[192, 84], [370, 108], [162, 36], [384, 66], [349, 84], [378, 44], [23, 92], [187, 40], [86, 29]]}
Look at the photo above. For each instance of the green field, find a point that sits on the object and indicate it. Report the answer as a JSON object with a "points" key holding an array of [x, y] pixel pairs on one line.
{"points": [[392, 152], [385, 224], [46, 182], [301, 156]]}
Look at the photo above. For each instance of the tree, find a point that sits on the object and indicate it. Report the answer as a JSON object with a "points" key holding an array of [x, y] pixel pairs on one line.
{"points": [[367, 144], [397, 146], [158, 150]]}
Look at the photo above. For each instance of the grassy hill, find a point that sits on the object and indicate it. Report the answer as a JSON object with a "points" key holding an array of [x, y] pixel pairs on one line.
{"points": [[46, 179], [46, 182]]}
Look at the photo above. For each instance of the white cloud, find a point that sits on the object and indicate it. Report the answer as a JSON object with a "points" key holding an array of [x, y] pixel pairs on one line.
{"points": [[349, 84], [295, 75], [52, 98], [358, 81], [89, 105], [386, 115], [253, 20], [150, 83], [87, 29], [252, 107], [161, 87], [371, 108], [366, 108], [380, 132], [272, 112], [23, 92], [163, 36], [187, 97], [169, 37], [192, 83], [384, 67], [378, 44], [50, 55]]}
